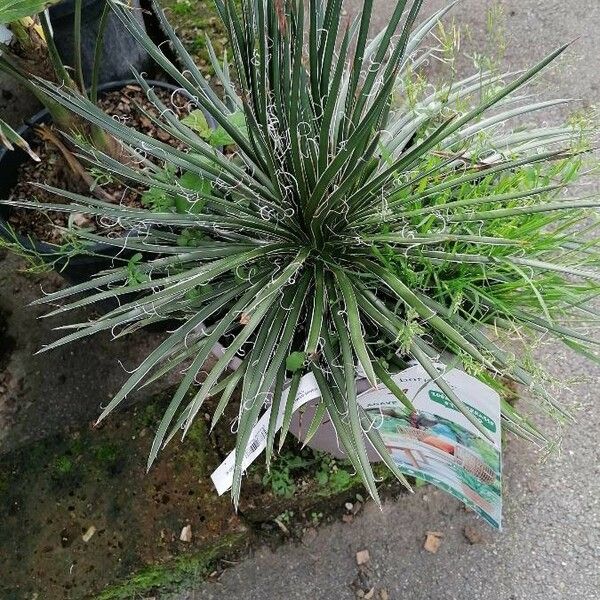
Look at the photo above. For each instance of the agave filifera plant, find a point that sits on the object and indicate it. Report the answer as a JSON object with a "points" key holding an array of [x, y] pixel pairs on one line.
{"points": [[341, 227]]}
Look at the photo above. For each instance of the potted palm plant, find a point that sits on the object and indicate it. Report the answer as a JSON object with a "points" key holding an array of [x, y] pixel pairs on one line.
{"points": [[337, 227], [33, 52]]}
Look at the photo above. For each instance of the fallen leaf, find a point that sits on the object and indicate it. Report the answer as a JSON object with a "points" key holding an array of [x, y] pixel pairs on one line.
{"points": [[348, 518], [383, 595], [433, 541], [186, 534], [45, 133], [369, 595], [244, 319], [362, 557], [87, 536]]}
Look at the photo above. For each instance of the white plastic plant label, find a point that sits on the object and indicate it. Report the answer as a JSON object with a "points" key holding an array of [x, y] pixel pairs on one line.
{"points": [[5, 35], [222, 477]]}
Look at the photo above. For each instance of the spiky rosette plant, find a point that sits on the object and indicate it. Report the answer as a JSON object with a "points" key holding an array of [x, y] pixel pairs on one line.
{"points": [[328, 224]]}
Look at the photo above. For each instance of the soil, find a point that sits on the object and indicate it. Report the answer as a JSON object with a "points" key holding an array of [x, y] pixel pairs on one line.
{"points": [[7, 382], [8, 343], [53, 169], [94, 481], [81, 517]]}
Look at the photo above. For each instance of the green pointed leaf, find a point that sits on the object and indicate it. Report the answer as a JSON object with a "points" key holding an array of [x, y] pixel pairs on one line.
{"points": [[13, 10]]}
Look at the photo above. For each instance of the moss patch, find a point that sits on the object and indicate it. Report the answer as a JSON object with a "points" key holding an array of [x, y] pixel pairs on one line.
{"points": [[177, 572], [54, 491]]}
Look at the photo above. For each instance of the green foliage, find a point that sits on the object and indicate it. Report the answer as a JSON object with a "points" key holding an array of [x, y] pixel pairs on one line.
{"points": [[281, 475], [135, 275], [63, 465], [194, 20], [191, 237], [295, 361], [348, 221], [157, 200], [333, 475], [218, 136], [196, 120], [35, 262], [316, 518], [191, 188], [100, 176], [285, 517], [13, 10], [106, 454], [38, 262]]}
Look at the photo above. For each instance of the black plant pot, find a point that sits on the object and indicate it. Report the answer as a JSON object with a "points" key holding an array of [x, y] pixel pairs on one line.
{"points": [[120, 52], [79, 268]]}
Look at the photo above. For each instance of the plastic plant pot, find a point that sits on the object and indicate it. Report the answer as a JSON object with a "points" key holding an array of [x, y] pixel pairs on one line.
{"points": [[100, 256], [120, 51]]}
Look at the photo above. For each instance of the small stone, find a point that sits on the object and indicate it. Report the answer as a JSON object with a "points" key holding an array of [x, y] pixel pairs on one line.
{"points": [[80, 220], [433, 541], [349, 506], [362, 557], [186, 534], [87, 536]]}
